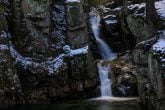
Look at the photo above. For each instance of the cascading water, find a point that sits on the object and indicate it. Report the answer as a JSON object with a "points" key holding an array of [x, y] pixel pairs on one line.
{"points": [[105, 81], [105, 52]]}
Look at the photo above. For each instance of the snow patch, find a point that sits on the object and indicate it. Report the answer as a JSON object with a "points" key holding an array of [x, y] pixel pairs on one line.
{"points": [[67, 1], [160, 6], [138, 9], [79, 51], [111, 21], [4, 47], [117, 9], [113, 16], [136, 6], [163, 60], [83, 50], [159, 46]]}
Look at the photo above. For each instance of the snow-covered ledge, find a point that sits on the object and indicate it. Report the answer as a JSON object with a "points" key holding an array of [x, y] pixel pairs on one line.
{"points": [[50, 66], [71, 53]]}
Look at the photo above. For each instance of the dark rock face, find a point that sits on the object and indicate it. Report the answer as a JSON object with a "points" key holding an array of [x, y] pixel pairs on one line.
{"points": [[10, 88], [148, 57], [150, 72], [35, 67], [124, 82], [32, 27]]}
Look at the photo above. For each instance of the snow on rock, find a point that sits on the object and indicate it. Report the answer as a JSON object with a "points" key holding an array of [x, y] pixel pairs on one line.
{"points": [[50, 66], [83, 50], [161, 32], [67, 1], [136, 6], [111, 21], [159, 46], [70, 53], [138, 9], [106, 17], [54, 64], [3, 47], [158, 49], [163, 60], [117, 9], [3, 34], [160, 6]]}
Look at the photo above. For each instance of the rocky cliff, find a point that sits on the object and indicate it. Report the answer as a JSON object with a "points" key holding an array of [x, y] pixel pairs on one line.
{"points": [[44, 52], [47, 51]]}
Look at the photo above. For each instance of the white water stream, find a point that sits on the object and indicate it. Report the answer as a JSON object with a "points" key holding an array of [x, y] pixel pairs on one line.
{"points": [[105, 50], [106, 54], [105, 81]]}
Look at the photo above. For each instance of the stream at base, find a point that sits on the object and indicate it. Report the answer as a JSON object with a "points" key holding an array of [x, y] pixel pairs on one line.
{"points": [[85, 105]]}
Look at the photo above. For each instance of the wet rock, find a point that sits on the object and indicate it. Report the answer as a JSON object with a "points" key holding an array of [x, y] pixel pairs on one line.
{"points": [[124, 82]]}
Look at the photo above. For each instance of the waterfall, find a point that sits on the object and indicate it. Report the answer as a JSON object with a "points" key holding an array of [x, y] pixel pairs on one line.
{"points": [[105, 52], [105, 81]]}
